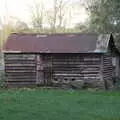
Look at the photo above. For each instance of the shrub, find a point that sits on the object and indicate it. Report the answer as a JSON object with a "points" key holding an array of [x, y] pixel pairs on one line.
{"points": [[2, 77], [117, 83]]}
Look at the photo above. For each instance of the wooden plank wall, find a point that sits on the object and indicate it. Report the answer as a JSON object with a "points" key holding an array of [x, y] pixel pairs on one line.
{"points": [[74, 67], [20, 69], [107, 70]]}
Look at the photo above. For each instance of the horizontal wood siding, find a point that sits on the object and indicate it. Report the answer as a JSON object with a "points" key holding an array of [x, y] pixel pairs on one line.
{"points": [[107, 70], [27, 69], [76, 67], [20, 69]]}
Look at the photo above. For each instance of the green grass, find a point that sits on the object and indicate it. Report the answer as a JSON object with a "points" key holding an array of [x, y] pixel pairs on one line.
{"points": [[43, 104]]}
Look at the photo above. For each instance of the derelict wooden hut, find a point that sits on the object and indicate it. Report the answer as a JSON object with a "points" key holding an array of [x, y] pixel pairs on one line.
{"points": [[75, 60]]}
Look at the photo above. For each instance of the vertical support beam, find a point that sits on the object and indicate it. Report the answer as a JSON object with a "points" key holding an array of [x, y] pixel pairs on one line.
{"points": [[101, 71], [101, 68], [48, 70], [39, 70]]}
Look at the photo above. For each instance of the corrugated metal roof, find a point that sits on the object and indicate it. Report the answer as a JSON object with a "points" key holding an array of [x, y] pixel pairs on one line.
{"points": [[57, 43]]}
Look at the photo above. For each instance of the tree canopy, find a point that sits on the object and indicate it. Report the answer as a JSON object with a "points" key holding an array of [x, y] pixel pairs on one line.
{"points": [[104, 17]]}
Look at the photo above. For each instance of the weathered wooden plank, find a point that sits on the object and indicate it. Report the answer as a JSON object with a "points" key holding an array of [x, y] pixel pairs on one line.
{"points": [[18, 59], [74, 69], [20, 65], [14, 71], [19, 55], [75, 56], [20, 77], [20, 68], [20, 74], [74, 73], [19, 83], [19, 80], [20, 62], [65, 74], [78, 63]]}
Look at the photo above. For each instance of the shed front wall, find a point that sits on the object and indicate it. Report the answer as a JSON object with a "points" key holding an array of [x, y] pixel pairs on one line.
{"points": [[74, 70]]}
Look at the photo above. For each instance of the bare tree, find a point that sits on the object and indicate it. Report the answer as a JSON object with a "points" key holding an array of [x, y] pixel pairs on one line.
{"points": [[37, 14], [51, 21], [56, 18], [51, 16], [62, 7], [55, 14]]}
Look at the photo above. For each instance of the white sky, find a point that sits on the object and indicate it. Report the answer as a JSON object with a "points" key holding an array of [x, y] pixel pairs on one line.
{"points": [[20, 10]]}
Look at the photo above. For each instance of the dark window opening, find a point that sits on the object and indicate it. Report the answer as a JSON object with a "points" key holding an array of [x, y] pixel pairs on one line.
{"points": [[73, 79], [65, 79], [55, 79]]}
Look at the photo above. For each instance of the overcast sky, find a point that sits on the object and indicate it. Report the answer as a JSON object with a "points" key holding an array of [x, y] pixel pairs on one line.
{"points": [[20, 10]]}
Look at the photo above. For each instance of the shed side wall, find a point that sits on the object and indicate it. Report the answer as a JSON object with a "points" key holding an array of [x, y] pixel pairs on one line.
{"points": [[107, 70]]}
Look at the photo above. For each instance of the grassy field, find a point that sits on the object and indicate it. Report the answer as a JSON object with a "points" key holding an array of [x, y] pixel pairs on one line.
{"points": [[43, 104]]}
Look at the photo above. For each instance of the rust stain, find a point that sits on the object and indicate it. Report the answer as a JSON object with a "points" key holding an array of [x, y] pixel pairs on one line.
{"points": [[56, 43]]}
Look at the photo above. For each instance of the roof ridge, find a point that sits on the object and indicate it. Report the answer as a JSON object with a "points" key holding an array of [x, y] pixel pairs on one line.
{"points": [[54, 33]]}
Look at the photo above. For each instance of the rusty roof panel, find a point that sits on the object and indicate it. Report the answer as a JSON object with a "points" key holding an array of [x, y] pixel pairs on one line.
{"points": [[57, 43]]}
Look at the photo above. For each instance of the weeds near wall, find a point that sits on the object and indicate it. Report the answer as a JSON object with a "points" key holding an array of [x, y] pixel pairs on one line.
{"points": [[2, 77]]}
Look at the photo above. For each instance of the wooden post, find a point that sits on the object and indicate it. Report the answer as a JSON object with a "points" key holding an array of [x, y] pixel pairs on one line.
{"points": [[101, 72], [39, 71]]}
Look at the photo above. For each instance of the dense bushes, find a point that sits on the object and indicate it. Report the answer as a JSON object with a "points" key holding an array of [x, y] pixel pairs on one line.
{"points": [[1, 78]]}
